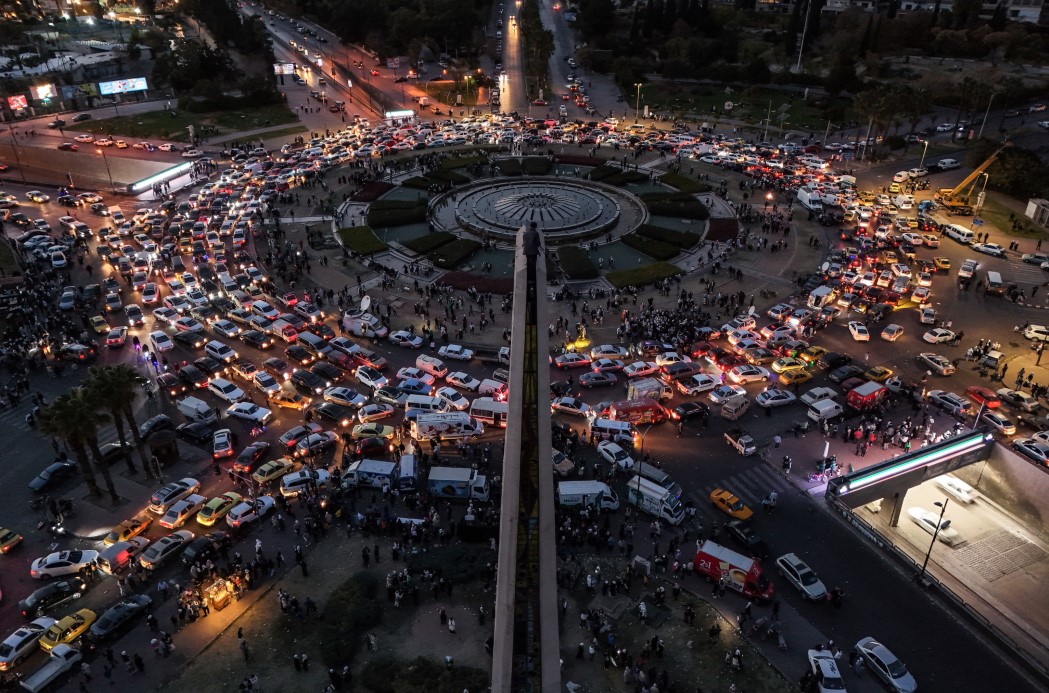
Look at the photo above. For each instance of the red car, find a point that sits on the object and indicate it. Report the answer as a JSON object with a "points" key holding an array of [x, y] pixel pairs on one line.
{"points": [[984, 396]]}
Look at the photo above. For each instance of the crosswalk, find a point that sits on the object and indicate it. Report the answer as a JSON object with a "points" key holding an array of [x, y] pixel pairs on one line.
{"points": [[750, 486]]}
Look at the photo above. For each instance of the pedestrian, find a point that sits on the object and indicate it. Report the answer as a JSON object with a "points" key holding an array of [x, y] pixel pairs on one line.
{"points": [[305, 661], [305, 573], [140, 664], [451, 626]]}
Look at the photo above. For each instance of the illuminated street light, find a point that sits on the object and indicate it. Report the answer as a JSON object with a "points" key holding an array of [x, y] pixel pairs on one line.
{"points": [[926, 149], [105, 158]]}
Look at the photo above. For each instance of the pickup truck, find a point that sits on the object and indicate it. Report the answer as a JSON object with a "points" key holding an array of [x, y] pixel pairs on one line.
{"points": [[741, 440], [63, 658]]}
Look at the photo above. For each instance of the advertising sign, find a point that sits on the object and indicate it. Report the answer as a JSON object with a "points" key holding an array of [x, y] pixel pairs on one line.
{"points": [[122, 86], [283, 68], [16, 102], [43, 92], [79, 91]]}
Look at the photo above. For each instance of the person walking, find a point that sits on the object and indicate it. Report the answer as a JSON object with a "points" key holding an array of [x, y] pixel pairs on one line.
{"points": [[451, 626]]}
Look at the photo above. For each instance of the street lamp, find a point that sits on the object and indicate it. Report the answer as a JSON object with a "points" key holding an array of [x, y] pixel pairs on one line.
{"points": [[641, 450], [101, 151], [981, 196], [924, 151], [14, 148], [935, 533], [637, 104]]}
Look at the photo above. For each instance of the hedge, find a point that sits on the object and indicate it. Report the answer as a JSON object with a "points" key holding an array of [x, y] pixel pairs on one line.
{"points": [[373, 191], [361, 240], [681, 205], [624, 177], [429, 242], [451, 255], [603, 171], [657, 250], [460, 162], [537, 165], [576, 264], [396, 213], [421, 183], [351, 611], [453, 177], [509, 167], [684, 183], [682, 239], [643, 275]]}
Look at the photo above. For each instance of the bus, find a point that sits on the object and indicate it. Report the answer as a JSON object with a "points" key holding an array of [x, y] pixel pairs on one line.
{"points": [[490, 411]]}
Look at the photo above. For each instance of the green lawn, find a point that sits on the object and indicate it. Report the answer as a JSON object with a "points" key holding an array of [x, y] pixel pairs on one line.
{"points": [[361, 240], [998, 214], [164, 125]]}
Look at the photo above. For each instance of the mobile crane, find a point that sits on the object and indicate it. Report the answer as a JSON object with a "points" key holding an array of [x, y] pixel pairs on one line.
{"points": [[952, 199]]}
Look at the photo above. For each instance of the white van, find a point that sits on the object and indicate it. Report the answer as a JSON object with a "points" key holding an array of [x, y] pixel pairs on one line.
{"points": [[961, 234], [825, 410], [489, 411], [432, 365], [494, 389], [947, 164], [425, 403], [616, 431]]}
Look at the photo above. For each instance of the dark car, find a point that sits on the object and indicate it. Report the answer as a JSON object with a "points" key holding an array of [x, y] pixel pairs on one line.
{"points": [[372, 447], [592, 379], [325, 370], [118, 617], [196, 432], [299, 355], [278, 368], [213, 367], [169, 383], [204, 547], [52, 474], [559, 388], [322, 330], [51, 595], [308, 383], [843, 373], [259, 340], [193, 376], [746, 537], [689, 410], [81, 117], [189, 340], [251, 456], [834, 359], [336, 415], [160, 422]]}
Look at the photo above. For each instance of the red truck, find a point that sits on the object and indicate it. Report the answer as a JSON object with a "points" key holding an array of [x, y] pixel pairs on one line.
{"points": [[638, 411], [742, 574], [866, 395]]}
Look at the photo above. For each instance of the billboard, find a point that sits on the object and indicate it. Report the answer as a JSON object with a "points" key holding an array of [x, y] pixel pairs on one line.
{"points": [[43, 92], [283, 68], [79, 91], [122, 86], [16, 102]]}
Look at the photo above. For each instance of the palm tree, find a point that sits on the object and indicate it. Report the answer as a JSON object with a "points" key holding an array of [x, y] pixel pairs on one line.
{"points": [[62, 419], [92, 419], [114, 388]]}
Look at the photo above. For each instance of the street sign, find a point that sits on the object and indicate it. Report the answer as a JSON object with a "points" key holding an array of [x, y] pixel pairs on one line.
{"points": [[977, 221]]}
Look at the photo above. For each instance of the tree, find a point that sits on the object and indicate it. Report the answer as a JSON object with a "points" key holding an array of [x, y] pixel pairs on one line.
{"points": [[115, 388], [74, 420]]}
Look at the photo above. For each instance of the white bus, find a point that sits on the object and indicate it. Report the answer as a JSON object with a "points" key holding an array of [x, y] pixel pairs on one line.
{"points": [[489, 411]]}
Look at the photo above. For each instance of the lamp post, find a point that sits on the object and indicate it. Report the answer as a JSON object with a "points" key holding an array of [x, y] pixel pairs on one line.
{"points": [[924, 152], [637, 104], [826, 133], [935, 533], [986, 114], [14, 148], [105, 158], [641, 450], [981, 196]]}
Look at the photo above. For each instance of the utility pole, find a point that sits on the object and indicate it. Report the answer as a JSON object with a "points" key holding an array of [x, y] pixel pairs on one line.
{"points": [[804, 31]]}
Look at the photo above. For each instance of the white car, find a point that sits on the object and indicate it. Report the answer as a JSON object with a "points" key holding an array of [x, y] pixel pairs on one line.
{"points": [[570, 406], [818, 394], [160, 341], [639, 369], [825, 670], [886, 665], [225, 328], [613, 453], [225, 390], [375, 412], [938, 336], [1019, 399], [265, 383], [989, 249], [189, 325], [956, 488], [180, 512], [695, 385], [999, 423], [413, 373], [928, 521], [249, 412], [892, 332], [371, 378], [463, 381], [23, 642], [1039, 333], [456, 352], [774, 397], [859, 331], [750, 374], [609, 351], [61, 563], [669, 357], [291, 485], [801, 576], [927, 316], [940, 365], [346, 396], [164, 548], [404, 338], [453, 397], [249, 511], [723, 393]]}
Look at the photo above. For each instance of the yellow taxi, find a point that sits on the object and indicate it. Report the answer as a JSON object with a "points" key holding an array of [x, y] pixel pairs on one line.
{"points": [[795, 376], [68, 629], [728, 503], [128, 529], [275, 469], [812, 354], [217, 508], [9, 539], [99, 324], [942, 263], [878, 374]]}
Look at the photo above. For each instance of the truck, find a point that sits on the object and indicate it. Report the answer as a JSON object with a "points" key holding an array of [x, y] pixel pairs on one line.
{"points": [[810, 199], [743, 574], [457, 483], [371, 474], [650, 497], [867, 395], [197, 410], [638, 411], [742, 441], [364, 325], [63, 658], [648, 388], [447, 425], [822, 296], [574, 494]]}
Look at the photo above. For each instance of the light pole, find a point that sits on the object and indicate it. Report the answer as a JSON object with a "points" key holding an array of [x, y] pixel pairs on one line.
{"points": [[105, 158], [981, 196], [14, 148], [986, 114], [826, 133], [935, 533], [924, 152], [641, 451], [637, 104]]}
